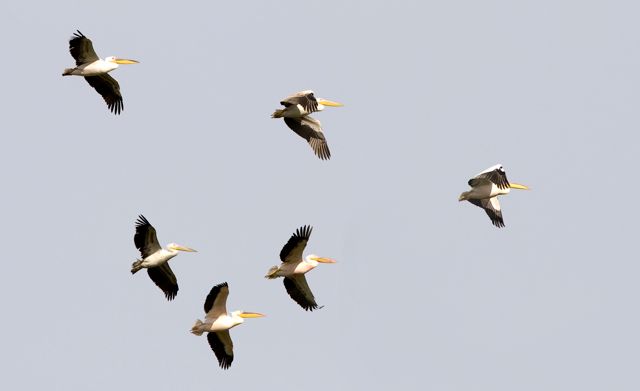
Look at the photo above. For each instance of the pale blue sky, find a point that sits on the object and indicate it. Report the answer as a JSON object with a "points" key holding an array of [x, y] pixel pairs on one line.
{"points": [[426, 294]]}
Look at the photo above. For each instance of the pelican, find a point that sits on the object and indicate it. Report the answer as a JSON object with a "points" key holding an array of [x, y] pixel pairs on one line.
{"points": [[217, 323], [297, 108], [155, 258], [96, 71], [293, 268], [485, 189]]}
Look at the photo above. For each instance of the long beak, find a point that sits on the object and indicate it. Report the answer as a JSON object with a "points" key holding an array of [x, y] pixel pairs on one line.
{"points": [[187, 249], [324, 260], [329, 103], [518, 186], [125, 61], [250, 315]]}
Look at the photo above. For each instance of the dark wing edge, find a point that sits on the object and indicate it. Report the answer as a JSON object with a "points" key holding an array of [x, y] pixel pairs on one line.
{"points": [[81, 49], [164, 279], [497, 176], [109, 89], [217, 343], [211, 297], [145, 237], [494, 214], [307, 101], [304, 127], [296, 244], [300, 292]]}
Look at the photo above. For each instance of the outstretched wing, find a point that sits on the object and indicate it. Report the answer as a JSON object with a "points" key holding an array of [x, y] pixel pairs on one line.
{"points": [[81, 49], [492, 207], [222, 346], [300, 292], [306, 99], [216, 302], [145, 237], [109, 88], [164, 278], [292, 251], [494, 174], [310, 129]]}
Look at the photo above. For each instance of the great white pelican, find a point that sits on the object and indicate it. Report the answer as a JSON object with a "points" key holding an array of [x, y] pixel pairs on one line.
{"points": [[297, 108], [293, 268], [217, 323], [96, 71], [485, 189], [155, 258]]}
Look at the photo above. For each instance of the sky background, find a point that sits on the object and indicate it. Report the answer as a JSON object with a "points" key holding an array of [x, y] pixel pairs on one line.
{"points": [[426, 294]]}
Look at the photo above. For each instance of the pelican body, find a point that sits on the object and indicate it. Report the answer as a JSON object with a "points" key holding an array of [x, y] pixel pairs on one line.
{"points": [[95, 70], [485, 189], [293, 268], [155, 258], [159, 257], [97, 67], [297, 108], [218, 322]]}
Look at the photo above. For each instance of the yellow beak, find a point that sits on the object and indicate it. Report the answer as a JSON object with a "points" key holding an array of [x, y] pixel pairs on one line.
{"points": [[250, 315], [125, 61], [324, 260], [187, 249], [518, 186], [329, 103]]}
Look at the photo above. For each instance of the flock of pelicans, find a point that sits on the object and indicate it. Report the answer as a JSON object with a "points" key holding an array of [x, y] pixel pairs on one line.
{"points": [[485, 189]]}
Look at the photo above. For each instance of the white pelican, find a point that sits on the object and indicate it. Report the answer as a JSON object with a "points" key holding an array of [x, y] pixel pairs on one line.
{"points": [[293, 268], [95, 70], [217, 323], [155, 258], [297, 108], [485, 189]]}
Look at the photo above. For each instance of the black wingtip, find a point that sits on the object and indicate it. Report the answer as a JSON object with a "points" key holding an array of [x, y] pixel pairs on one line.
{"points": [[142, 221], [304, 232], [170, 295], [312, 307], [498, 223], [116, 107], [221, 285]]}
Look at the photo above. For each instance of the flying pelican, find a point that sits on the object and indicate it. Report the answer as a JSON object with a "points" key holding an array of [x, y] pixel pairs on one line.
{"points": [[293, 268], [96, 71], [217, 323], [485, 189], [297, 108], [155, 258]]}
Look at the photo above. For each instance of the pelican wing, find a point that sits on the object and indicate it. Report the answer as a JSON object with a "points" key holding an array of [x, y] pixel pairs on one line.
{"points": [[492, 207], [216, 302], [109, 88], [222, 346], [292, 251], [81, 49], [164, 278], [145, 238], [300, 292], [306, 99], [495, 175], [310, 129]]}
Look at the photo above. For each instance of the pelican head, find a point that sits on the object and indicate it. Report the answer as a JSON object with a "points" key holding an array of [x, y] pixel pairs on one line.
{"points": [[117, 60], [314, 258], [177, 247]]}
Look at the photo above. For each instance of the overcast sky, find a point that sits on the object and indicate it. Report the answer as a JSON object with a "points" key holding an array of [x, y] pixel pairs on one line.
{"points": [[426, 294]]}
